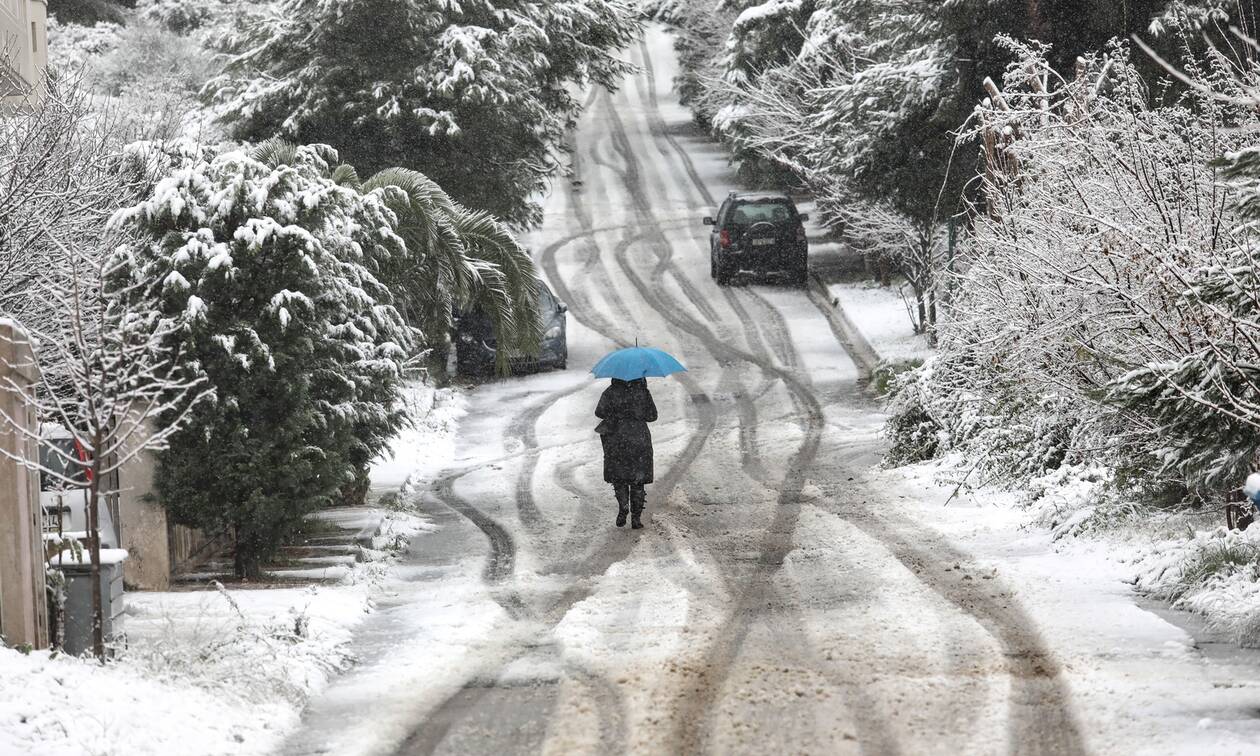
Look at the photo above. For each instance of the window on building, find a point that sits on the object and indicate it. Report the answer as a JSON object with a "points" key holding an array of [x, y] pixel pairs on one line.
{"points": [[34, 38]]}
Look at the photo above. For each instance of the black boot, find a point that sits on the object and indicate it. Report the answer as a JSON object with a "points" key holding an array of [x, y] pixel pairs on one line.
{"points": [[623, 503], [637, 498]]}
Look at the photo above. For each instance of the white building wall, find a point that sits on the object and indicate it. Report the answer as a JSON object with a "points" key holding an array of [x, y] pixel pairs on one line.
{"points": [[23, 46]]}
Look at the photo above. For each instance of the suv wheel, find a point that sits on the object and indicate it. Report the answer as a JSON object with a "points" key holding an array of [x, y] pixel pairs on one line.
{"points": [[720, 273], [800, 276]]}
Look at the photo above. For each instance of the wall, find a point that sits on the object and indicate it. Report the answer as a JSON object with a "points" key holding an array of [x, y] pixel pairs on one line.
{"points": [[23, 48], [23, 601], [145, 534]]}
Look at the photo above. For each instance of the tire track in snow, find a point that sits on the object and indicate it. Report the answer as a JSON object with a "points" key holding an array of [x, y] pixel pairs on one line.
{"points": [[501, 563], [691, 731], [1030, 664], [872, 731], [433, 730]]}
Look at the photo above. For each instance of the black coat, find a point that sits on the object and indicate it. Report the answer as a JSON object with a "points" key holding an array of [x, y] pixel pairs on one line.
{"points": [[626, 408]]}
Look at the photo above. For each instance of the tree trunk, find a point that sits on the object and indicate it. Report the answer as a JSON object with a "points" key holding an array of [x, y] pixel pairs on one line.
{"points": [[919, 300], [245, 561], [931, 324], [1036, 27], [436, 361], [94, 545]]}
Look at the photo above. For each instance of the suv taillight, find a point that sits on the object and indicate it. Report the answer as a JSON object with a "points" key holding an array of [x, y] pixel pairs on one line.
{"points": [[800, 233], [724, 238]]}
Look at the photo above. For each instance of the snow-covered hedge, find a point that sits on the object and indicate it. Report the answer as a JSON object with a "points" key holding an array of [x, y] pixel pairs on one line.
{"points": [[1101, 311]]}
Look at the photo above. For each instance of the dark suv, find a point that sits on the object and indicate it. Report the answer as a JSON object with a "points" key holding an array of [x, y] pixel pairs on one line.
{"points": [[476, 347], [760, 233]]}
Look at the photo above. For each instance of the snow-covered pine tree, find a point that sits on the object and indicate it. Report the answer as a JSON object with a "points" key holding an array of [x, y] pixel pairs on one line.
{"points": [[476, 94], [271, 269]]}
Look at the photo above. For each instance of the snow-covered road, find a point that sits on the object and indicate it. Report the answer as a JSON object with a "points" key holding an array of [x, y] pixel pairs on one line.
{"points": [[782, 599]]}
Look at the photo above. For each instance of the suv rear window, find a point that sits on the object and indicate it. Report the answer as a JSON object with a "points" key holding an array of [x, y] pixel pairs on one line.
{"points": [[767, 211]]}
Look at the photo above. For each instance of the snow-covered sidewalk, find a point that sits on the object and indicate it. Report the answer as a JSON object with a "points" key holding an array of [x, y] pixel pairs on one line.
{"points": [[223, 671], [1140, 683], [1094, 577], [881, 315]]}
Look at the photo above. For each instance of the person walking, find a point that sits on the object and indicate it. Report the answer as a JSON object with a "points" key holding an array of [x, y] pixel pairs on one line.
{"points": [[625, 409]]}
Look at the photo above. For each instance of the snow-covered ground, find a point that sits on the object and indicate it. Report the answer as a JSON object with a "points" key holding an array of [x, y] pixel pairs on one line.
{"points": [[1141, 684], [224, 671], [1082, 565], [880, 313], [228, 670]]}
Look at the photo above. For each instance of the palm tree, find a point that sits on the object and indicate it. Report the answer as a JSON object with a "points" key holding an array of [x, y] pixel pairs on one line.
{"points": [[457, 258]]}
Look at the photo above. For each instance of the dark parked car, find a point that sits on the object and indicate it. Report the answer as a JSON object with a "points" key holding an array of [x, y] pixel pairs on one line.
{"points": [[759, 233], [476, 347]]}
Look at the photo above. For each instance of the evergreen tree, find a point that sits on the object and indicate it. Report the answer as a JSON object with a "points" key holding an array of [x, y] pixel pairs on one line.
{"points": [[477, 94], [271, 267]]}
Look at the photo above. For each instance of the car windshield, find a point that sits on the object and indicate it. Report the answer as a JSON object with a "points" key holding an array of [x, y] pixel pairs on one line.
{"points": [[767, 211]]}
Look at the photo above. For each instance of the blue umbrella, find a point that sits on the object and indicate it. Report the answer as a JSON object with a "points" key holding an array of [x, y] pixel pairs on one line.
{"points": [[637, 362]]}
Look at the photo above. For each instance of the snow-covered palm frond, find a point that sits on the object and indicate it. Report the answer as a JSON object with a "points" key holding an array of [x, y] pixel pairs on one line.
{"points": [[275, 152], [458, 258], [510, 297]]}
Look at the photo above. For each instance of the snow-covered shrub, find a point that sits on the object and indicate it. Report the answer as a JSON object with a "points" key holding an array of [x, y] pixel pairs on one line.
{"points": [[670, 11], [253, 658], [914, 433], [154, 77], [180, 16], [1100, 211], [1214, 573], [1203, 394], [71, 47], [148, 76], [148, 61], [271, 267], [1074, 499]]}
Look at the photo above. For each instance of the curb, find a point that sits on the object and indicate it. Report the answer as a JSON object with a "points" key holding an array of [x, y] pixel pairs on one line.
{"points": [[864, 356]]}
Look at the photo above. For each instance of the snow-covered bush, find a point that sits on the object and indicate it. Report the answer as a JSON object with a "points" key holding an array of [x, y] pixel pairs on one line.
{"points": [[1202, 392], [271, 267], [147, 61], [73, 46], [255, 658], [1214, 573], [180, 16], [1077, 303], [915, 433], [146, 75]]}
